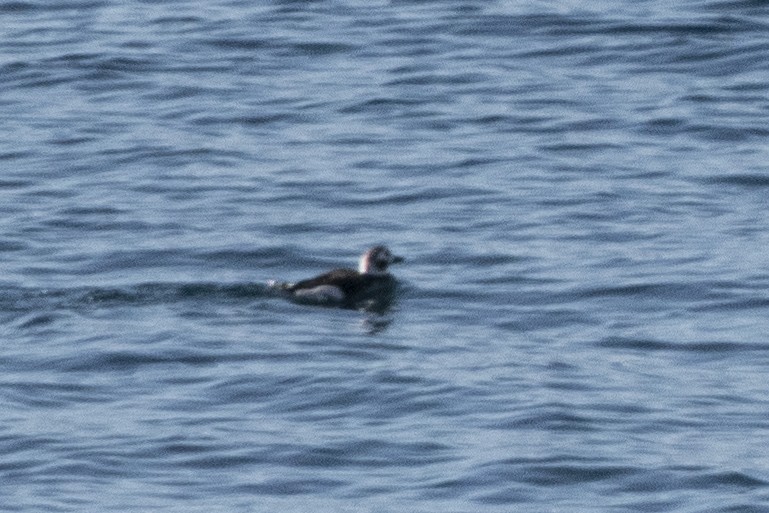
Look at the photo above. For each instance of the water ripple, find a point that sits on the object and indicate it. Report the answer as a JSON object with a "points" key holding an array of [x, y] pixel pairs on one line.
{"points": [[580, 193]]}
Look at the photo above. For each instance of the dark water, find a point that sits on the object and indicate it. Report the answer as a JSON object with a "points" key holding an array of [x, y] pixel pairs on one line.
{"points": [[580, 191]]}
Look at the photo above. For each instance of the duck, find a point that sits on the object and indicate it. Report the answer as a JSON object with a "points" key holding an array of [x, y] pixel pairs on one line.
{"points": [[349, 287]]}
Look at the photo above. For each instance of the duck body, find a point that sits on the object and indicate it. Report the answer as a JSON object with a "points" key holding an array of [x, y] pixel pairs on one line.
{"points": [[344, 286]]}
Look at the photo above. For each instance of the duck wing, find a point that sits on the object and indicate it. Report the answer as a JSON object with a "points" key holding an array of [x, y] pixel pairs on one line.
{"points": [[345, 279]]}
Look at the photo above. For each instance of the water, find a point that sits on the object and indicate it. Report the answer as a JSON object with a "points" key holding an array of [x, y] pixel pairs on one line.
{"points": [[580, 192]]}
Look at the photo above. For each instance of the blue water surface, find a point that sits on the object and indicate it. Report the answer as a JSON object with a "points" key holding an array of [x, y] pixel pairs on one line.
{"points": [[580, 192]]}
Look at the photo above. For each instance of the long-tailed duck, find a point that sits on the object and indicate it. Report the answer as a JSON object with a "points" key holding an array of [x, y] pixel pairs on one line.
{"points": [[348, 287]]}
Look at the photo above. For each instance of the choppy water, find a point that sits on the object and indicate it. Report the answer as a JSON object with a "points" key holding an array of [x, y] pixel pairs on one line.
{"points": [[580, 191]]}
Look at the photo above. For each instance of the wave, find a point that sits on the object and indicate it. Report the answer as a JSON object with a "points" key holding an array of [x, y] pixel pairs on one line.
{"points": [[27, 299]]}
